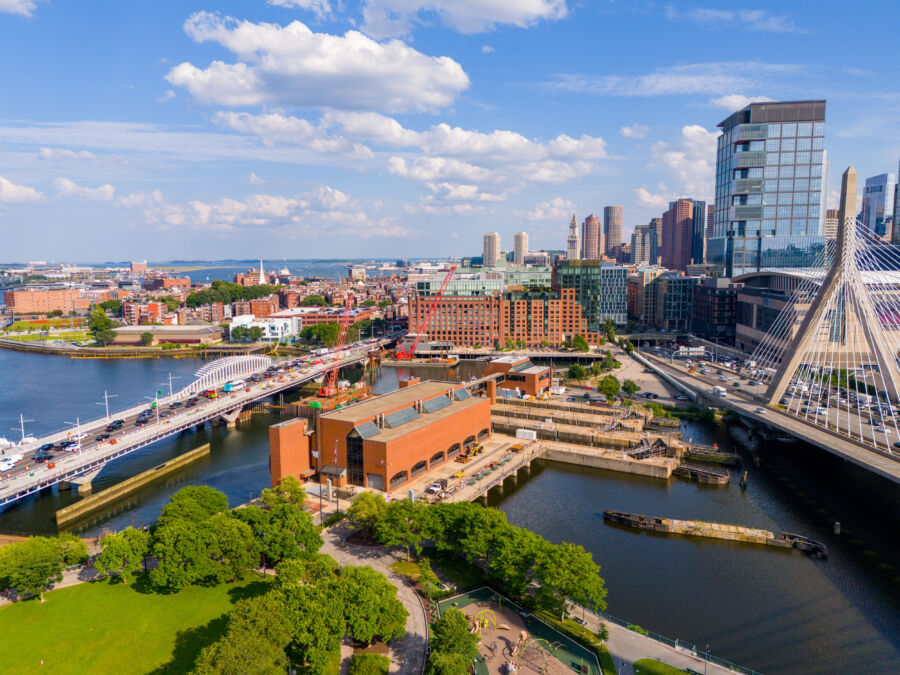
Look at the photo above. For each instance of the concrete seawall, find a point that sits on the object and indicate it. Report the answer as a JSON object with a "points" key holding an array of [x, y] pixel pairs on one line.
{"points": [[661, 468], [128, 486]]}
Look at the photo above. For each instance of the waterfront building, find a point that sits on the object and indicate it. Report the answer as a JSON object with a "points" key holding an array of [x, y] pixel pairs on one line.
{"points": [[184, 335], [771, 180], [491, 252], [641, 294], [167, 283], [277, 327], [385, 442], [714, 309], [356, 274], [541, 317], [677, 227], [519, 376], [572, 247], [759, 302], [674, 301], [599, 289], [877, 211], [520, 247], [42, 300], [612, 228], [138, 268], [591, 238]]}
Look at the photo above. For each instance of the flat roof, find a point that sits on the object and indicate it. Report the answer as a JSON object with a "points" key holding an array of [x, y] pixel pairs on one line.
{"points": [[509, 359], [534, 370], [394, 400], [425, 419], [168, 329]]}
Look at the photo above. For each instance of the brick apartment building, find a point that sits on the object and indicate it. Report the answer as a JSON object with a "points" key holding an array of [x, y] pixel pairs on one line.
{"points": [[42, 301], [167, 283]]}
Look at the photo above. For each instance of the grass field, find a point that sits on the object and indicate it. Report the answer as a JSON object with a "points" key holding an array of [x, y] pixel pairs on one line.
{"points": [[65, 337], [654, 667], [113, 628], [44, 324]]}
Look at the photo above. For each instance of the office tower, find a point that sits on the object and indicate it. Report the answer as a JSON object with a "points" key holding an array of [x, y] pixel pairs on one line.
{"points": [[710, 218], [491, 255], [698, 233], [896, 218], [831, 223], [770, 188], [520, 247], [847, 208], [644, 247], [591, 238], [572, 247], [612, 227], [599, 289], [878, 204], [677, 225]]}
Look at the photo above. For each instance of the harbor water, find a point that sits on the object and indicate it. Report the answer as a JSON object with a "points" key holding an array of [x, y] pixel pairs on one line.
{"points": [[775, 611]]}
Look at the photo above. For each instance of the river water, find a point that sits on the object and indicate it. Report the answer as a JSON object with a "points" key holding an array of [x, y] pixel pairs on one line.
{"points": [[771, 610]]}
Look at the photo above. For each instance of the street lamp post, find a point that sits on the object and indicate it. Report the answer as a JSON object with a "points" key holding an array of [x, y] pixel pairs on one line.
{"points": [[706, 660], [105, 402]]}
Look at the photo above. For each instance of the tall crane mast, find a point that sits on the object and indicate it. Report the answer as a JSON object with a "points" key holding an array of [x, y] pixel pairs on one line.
{"points": [[424, 325], [329, 384]]}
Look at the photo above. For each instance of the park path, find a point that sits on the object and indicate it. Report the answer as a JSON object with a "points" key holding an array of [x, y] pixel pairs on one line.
{"points": [[407, 652]]}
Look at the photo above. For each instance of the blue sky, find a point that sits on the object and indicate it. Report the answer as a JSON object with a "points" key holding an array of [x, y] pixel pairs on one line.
{"points": [[383, 128]]}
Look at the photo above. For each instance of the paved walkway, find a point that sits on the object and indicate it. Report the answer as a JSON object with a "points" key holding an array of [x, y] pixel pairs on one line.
{"points": [[73, 577], [626, 647], [408, 652]]}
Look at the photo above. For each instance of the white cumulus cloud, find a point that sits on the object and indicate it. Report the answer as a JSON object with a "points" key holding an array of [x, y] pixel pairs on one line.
{"points": [[321, 8], [634, 131], [10, 193], [737, 101], [255, 180], [556, 209], [64, 154], [691, 160], [292, 65], [23, 7], [385, 18], [659, 200], [68, 188]]}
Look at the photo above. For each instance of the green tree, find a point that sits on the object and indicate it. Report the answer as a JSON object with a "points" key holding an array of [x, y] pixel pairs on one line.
{"points": [[609, 387], [567, 571], [55, 313], [256, 333], [305, 571], [630, 388], [113, 307], [233, 547], [195, 503], [385, 303], [630, 326], [73, 549], [400, 525], [182, 548], [288, 491], [369, 664], [609, 362], [147, 338], [579, 344], [99, 321], [366, 510], [371, 608], [576, 372], [315, 614], [240, 333], [123, 553], [368, 303], [442, 663], [510, 561], [313, 301], [31, 566], [450, 635], [609, 327], [282, 532], [254, 641], [323, 333], [596, 368]]}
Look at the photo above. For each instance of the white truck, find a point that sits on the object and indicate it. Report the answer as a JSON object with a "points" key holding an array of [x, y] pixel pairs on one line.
{"points": [[721, 392]]}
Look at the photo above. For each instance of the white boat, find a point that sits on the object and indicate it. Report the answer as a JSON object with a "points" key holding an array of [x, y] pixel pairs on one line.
{"points": [[4, 443]]}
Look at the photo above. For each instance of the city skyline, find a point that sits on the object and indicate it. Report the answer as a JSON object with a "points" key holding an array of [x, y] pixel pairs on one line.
{"points": [[216, 132]]}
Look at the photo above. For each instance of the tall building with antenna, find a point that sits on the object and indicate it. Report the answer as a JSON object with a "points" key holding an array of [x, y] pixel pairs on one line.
{"points": [[572, 241]]}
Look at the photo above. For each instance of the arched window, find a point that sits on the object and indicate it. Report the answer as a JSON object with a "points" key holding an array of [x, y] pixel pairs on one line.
{"points": [[436, 459], [483, 434], [418, 468], [399, 479], [469, 442], [453, 451]]}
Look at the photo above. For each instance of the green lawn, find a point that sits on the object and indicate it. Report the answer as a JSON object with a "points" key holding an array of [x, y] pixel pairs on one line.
{"points": [[34, 337], [654, 667], [113, 628]]}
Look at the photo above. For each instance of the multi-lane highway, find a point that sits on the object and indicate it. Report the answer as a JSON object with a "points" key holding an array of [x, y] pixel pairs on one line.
{"points": [[64, 456]]}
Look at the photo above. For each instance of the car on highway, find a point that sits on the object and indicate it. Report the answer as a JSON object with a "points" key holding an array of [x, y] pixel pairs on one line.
{"points": [[115, 425], [141, 422], [79, 437], [103, 437], [682, 397], [176, 404], [650, 394], [6, 465], [736, 384], [46, 447], [40, 456], [760, 411]]}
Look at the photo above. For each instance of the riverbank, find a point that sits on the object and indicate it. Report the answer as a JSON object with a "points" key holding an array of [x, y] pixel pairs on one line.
{"points": [[73, 351]]}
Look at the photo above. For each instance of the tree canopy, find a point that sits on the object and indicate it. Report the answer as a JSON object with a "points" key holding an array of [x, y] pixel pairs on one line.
{"points": [[630, 388], [579, 343], [31, 566], [576, 372], [371, 607], [609, 387], [313, 301], [226, 293], [123, 553]]}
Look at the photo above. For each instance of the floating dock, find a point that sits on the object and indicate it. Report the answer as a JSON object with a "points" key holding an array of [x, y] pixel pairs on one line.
{"points": [[702, 474], [698, 528]]}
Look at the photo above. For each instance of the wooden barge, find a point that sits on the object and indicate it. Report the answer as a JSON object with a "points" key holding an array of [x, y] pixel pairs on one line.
{"points": [[697, 528]]}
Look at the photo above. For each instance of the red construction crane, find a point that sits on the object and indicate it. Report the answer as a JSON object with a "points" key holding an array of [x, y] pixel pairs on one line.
{"points": [[329, 384], [424, 325]]}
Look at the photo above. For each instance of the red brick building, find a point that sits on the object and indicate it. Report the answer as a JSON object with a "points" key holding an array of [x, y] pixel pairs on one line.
{"points": [[41, 301], [385, 442], [289, 450], [520, 375]]}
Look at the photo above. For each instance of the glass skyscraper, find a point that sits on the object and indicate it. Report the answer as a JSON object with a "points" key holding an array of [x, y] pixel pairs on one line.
{"points": [[878, 204], [771, 182]]}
